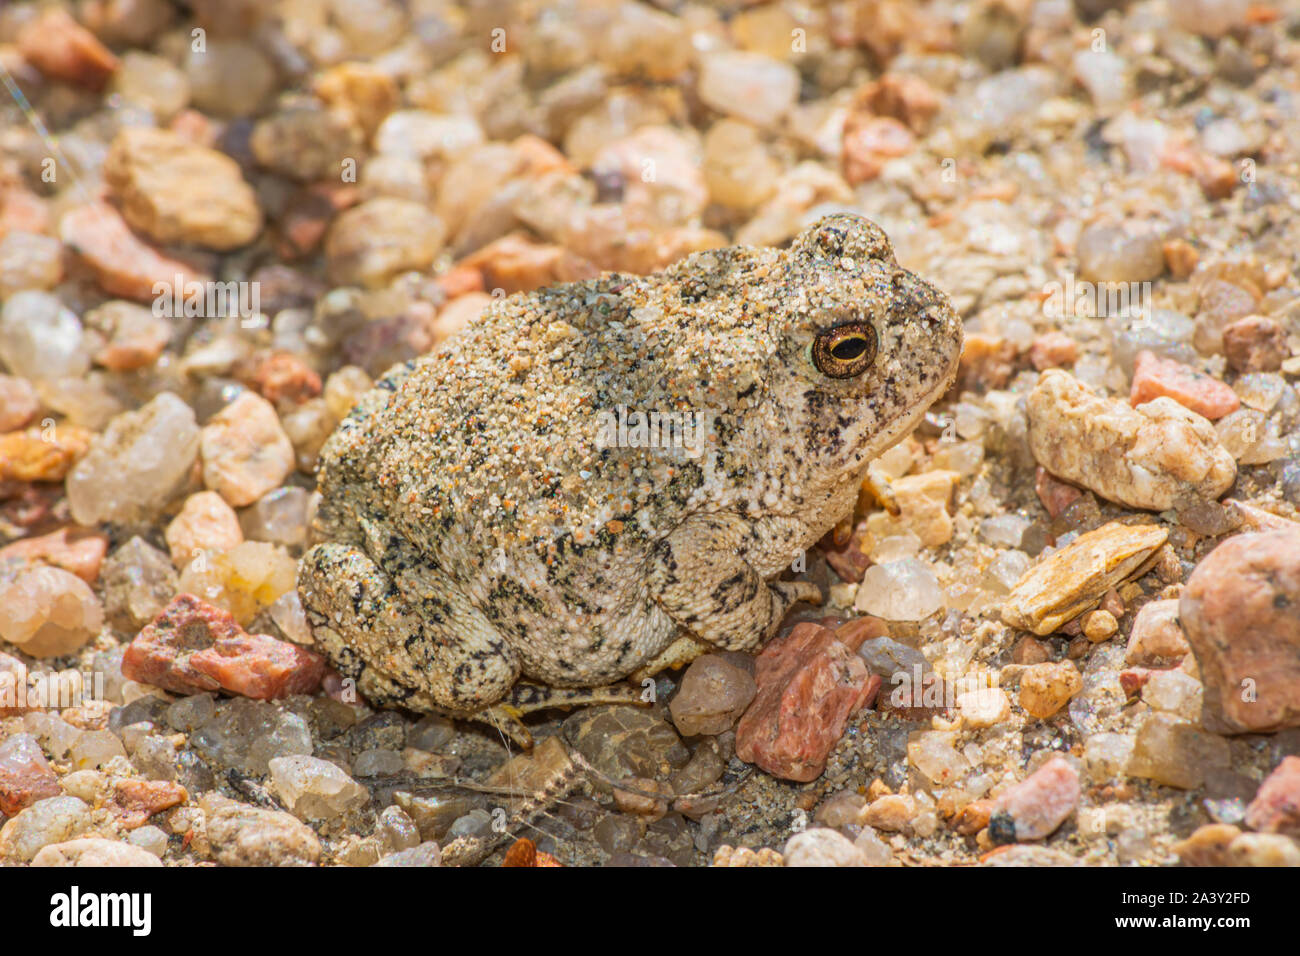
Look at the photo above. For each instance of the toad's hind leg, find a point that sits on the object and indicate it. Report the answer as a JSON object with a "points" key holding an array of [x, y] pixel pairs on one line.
{"points": [[422, 646]]}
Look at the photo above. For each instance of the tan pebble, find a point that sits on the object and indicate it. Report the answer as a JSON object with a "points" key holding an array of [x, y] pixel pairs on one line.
{"points": [[1076, 578], [1046, 688], [1147, 457], [893, 812], [985, 707], [205, 523], [1099, 626]]}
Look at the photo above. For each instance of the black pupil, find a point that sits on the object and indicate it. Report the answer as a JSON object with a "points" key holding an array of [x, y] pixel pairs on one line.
{"points": [[846, 350]]}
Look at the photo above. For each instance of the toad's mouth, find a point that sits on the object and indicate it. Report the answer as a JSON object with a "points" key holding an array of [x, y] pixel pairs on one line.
{"points": [[901, 427]]}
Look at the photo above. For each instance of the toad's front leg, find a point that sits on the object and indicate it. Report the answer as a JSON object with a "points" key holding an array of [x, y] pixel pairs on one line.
{"points": [[704, 576]]}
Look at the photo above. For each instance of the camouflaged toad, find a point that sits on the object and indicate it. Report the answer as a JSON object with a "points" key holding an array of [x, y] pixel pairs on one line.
{"points": [[600, 479]]}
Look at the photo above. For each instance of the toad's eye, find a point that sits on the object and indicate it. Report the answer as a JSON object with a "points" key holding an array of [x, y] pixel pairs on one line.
{"points": [[846, 350]]}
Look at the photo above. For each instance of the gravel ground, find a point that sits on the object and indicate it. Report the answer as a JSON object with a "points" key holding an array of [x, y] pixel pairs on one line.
{"points": [[221, 220]]}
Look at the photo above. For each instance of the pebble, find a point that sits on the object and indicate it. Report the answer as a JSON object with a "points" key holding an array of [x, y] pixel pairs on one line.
{"points": [[902, 590], [1276, 806], [932, 752], [400, 832], [190, 713], [1175, 753], [245, 451], [1174, 692], [29, 261], [306, 141], [1238, 615], [985, 707], [1255, 343], [923, 502], [1263, 849], [76, 551], [378, 239], [134, 336], [1046, 688], [242, 835], [892, 812], [62, 49], [1165, 333], [54, 733], [278, 517], [1149, 457], [874, 851], [314, 789], [738, 171], [139, 463], [137, 580], [25, 774], [174, 191], [139, 800], [53, 820], [94, 851], [748, 86], [40, 454], [364, 92], [147, 82], [1099, 625], [516, 264], [841, 809], [150, 839], [1106, 755], [1189, 387], [94, 749], [1076, 578], [726, 855], [425, 854], [193, 646], [124, 265], [713, 694], [282, 378], [869, 143], [205, 523], [781, 731], [245, 735], [1119, 253], [1055, 495], [646, 808], [49, 612], [41, 339], [19, 402], [1209, 18], [1035, 807], [1207, 846], [888, 657], [1053, 350], [248, 578], [1157, 637], [821, 846], [229, 77], [622, 741]]}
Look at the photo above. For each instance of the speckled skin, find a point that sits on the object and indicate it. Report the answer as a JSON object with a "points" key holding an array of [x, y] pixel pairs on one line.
{"points": [[472, 532]]}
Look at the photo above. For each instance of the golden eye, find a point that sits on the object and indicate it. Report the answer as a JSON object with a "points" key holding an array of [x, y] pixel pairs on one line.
{"points": [[846, 350]]}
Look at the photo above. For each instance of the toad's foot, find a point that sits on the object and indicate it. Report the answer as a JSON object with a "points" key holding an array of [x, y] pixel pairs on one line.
{"points": [[677, 654]]}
